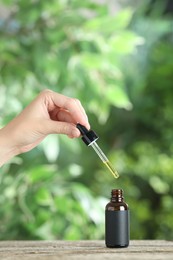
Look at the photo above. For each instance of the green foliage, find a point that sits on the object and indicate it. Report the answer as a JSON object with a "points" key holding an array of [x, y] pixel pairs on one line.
{"points": [[120, 67], [68, 47]]}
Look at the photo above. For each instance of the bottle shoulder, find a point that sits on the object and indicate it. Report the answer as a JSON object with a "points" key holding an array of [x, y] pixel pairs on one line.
{"points": [[115, 206]]}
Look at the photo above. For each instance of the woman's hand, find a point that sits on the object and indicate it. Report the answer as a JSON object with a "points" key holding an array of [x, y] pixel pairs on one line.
{"points": [[48, 113]]}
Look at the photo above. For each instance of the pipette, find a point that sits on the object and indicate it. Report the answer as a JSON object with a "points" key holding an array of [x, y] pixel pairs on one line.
{"points": [[89, 137]]}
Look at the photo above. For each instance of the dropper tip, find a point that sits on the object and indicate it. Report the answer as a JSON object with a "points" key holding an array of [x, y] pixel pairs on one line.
{"points": [[111, 169]]}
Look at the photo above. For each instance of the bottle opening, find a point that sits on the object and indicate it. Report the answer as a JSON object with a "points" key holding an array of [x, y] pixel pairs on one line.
{"points": [[117, 192]]}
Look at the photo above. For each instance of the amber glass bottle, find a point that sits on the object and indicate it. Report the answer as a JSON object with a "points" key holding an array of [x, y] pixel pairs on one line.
{"points": [[117, 230]]}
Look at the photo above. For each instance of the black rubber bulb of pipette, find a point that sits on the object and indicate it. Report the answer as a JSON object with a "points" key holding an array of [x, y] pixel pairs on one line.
{"points": [[88, 136], [82, 129]]}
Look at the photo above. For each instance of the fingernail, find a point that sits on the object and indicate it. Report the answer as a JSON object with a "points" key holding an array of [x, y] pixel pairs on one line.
{"points": [[75, 133], [88, 126]]}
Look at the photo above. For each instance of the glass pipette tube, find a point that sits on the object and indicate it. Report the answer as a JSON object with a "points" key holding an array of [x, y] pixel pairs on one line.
{"points": [[89, 137], [104, 158]]}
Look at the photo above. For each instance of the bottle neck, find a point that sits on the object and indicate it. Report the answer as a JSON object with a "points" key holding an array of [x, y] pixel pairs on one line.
{"points": [[117, 195]]}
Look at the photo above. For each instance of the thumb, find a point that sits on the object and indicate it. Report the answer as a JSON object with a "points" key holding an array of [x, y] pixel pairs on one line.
{"points": [[56, 127]]}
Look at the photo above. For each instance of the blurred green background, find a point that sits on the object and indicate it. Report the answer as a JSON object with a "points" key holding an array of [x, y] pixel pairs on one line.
{"points": [[117, 58]]}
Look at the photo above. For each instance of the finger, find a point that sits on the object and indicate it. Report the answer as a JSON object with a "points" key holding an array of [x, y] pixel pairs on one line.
{"points": [[53, 113], [56, 127], [61, 115], [81, 108], [72, 106], [65, 116]]}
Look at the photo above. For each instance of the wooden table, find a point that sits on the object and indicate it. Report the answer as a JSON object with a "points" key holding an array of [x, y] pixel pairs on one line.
{"points": [[87, 250]]}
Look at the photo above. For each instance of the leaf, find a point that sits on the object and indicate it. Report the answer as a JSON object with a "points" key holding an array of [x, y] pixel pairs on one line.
{"points": [[43, 197], [45, 231], [92, 60], [110, 24], [159, 185], [125, 42], [75, 170], [40, 173], [118, 97], [51, 147]]}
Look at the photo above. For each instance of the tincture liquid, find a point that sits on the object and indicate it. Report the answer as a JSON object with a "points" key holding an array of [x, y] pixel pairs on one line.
{"points": [[117, 230]]}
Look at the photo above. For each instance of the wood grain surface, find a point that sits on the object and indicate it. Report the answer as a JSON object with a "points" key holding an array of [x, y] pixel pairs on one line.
{"points": [[87, 250]]}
